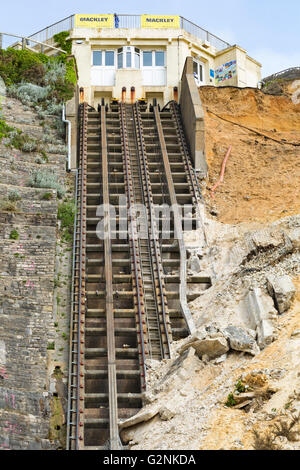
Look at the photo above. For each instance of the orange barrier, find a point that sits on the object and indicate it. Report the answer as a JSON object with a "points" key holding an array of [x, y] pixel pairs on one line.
{"points": [[221, 179]]}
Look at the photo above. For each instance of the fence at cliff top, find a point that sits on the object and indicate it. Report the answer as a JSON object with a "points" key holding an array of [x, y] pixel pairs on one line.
{"points": [[9, 40], [291, 74], [128, 22]]}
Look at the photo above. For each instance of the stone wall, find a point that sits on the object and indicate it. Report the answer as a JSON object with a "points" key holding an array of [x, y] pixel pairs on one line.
{"points": [[28, 231]]}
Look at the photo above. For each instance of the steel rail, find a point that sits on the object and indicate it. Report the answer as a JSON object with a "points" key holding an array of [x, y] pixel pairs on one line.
{"points": [[75, 412], [177, 223], [133, 240], [153, 230], [110, 329], [82, 287], [72, 320]]}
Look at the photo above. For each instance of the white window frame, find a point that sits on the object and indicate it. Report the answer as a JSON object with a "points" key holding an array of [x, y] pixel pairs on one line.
{"points": [[133, 53], [154, 75], [103, 58], [103, 75], [200, 65], [153, 59]]}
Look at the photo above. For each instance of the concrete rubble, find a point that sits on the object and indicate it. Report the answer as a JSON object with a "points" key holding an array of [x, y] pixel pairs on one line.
{"points": [[241, 340], [261, 313], [237, 324], [283, 291]]}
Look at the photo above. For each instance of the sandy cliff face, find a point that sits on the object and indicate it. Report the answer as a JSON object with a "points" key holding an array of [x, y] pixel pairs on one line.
{"points": [[262, 174]]}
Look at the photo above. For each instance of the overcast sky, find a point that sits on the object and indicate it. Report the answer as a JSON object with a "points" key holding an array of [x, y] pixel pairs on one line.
{"points": [[267, 29]]}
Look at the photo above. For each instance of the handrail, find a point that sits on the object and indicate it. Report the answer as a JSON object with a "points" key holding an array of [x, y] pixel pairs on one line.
{"points": [[51, 25], [25, 38]]}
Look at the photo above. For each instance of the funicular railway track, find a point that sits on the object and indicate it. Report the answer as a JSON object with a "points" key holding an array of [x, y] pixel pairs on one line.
{"points": [[128, 294]]}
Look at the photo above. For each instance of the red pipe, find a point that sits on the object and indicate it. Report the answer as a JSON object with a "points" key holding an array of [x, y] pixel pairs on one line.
{"points": [[221, 179], [175, 91], [81, 94], [132, 95], [123, 99]]}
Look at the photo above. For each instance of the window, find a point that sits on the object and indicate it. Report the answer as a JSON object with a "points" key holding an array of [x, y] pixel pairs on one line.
{"points": [[195, 69], [147, 58], [120, 58], [109, 58], [136, 58], [104, 58], [198, 70], [128, 57], [97, 57], [159, 58], [153, 59]]}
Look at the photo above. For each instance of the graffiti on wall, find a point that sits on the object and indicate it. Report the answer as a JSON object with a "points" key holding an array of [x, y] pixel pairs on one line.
{"points": [[225, 72]]}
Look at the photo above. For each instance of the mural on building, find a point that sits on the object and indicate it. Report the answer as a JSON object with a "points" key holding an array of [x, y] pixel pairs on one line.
{"points": [[225, 72]]}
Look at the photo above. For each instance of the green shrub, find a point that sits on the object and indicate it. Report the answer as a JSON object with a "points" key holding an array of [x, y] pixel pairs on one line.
{"points": [[51, 345], [14, 235], [70, 71], [66, 214], [14, 196], [46, 179], [16, 65], [230, 400], [4, 128], [57, 149], [29, 93], [62, 42], [22, 141], [47, 196], [55, 75], [8, 206], [240, 387]]}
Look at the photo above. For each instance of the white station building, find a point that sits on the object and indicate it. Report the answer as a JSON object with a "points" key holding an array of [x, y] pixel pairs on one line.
{"points": [[145, 54]]}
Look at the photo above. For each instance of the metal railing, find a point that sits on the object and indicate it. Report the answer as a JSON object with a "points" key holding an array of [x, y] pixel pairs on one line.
{"points": [[26, 42], [130, 22], [47, 33], [291, 73]]}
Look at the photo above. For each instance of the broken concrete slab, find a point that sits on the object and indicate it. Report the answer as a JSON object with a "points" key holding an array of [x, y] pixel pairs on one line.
{"points": [[144, 415], [282, 289], [194, 264], [260, 313], [166, 413], [263, 239], [212, 347], [200, 278], [240, 340], [294, 236]]}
